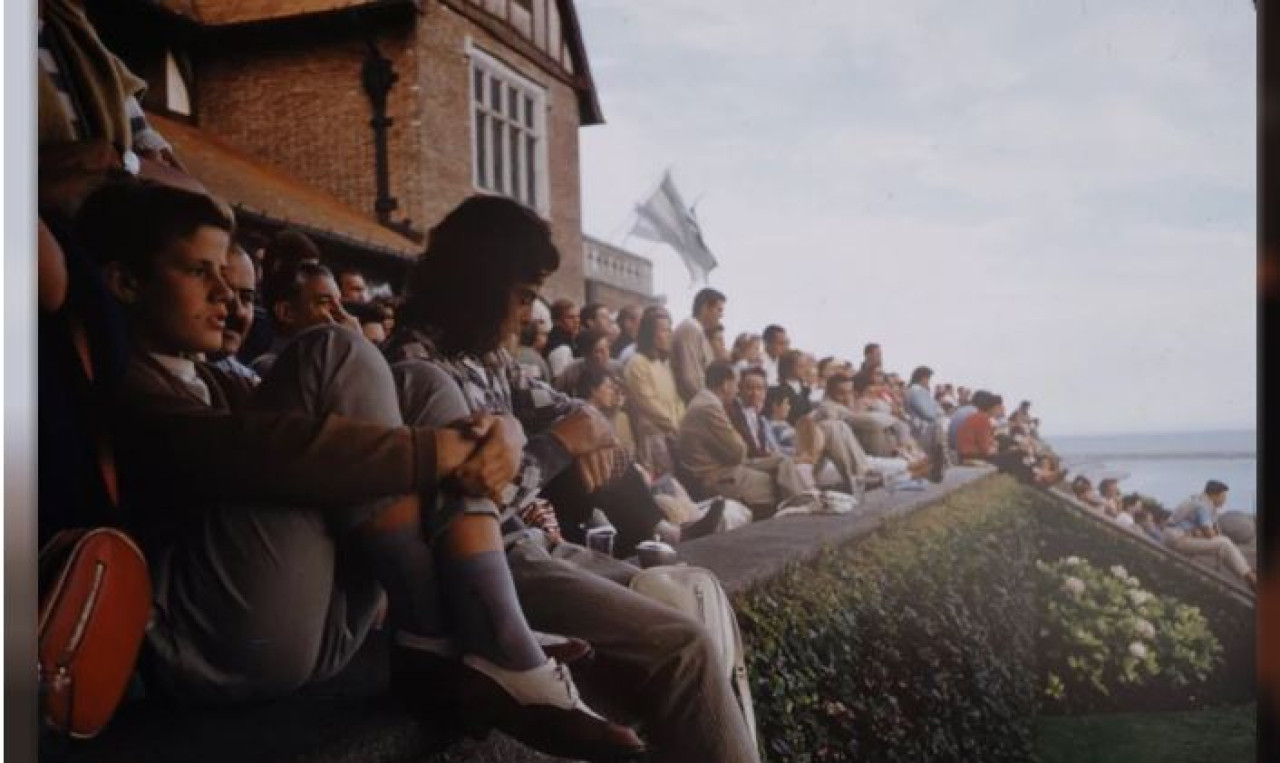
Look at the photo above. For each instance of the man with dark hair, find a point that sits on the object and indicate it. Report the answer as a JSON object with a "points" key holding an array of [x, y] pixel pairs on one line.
{"points": [[269, 574], [691, 350], [1193, 530], [747, 414], [872, 357], [856, 443], [976, 437], [372, 320], [562, 342], [628, 322], [595, 316], [792, 375], [299, 297], [714, 455], [352, 285], [776, 344], [240, 277]]}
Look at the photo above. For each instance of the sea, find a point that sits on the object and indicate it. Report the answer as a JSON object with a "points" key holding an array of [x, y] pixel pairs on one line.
{"points": [[1168, 466]]}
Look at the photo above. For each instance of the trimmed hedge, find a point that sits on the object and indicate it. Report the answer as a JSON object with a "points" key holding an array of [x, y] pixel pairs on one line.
{"points": [[914, 643]]}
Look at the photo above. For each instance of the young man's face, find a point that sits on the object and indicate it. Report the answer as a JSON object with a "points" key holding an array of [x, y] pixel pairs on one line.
{"points": [[241, 277], [752, 391], [605, 397], [842, 393], [181, 306], [778, 344], [600, 353], [628, 321], [728, 390], [711, 313], [1218, 499], [570, 322], [354, 288]]}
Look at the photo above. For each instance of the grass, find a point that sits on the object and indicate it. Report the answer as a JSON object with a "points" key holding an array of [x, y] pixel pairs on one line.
{"points": [[1217, 735]]}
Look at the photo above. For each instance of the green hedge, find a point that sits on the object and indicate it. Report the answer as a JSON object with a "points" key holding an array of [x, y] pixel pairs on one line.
{"points": [[914, 643]]}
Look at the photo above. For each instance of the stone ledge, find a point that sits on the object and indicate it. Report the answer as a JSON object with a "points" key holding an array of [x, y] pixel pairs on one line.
{"points": [[350, 718]]}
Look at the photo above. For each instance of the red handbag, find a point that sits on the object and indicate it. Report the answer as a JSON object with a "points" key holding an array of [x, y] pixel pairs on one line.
{"points": [[95, 602]]}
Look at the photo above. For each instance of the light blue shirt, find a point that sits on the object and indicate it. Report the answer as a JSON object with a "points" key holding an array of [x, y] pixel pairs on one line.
{"points": [[1195, 513], [921, 404]]}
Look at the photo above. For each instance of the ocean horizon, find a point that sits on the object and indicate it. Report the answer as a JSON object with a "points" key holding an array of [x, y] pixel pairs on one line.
{"points": [[1168, 466]]}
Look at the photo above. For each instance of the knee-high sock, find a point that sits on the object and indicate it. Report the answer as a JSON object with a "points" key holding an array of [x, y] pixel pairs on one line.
{"points": [[484, 611], [404, 564]]}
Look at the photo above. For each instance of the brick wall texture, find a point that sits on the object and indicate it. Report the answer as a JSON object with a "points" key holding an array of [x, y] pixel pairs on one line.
{"points": [[298, 102]]}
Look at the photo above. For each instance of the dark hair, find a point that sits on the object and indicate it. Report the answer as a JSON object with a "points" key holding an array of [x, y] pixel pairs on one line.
{"points": [[771, 331], [1214, 487], [835, 380], [529, 333], [562, 307], [787, 364], [347, 270], [774, 397], [920, 374], [284, 284], [869, 348], [460, 288], [1106, 483], [1131, 499], [588, 339], [719, 372], [589, 311], [286, 249], [130, 222], [755, 371], [987, 402], [822, 364], [706, 297], [589, 380], [365, 312], [649, 327]]}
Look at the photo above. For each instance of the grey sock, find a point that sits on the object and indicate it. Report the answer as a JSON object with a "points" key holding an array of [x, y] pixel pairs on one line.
{"points": [[486, 615], [405, 566]]}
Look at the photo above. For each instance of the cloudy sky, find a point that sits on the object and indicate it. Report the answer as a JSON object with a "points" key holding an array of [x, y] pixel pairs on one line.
{"points": [[1053, 200]]}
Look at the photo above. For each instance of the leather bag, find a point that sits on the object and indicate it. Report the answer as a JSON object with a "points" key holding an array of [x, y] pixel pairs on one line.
{"points": [[95, 602]]}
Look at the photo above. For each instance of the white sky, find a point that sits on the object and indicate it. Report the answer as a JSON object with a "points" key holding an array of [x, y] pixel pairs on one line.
{"points": [[1052, 200]]}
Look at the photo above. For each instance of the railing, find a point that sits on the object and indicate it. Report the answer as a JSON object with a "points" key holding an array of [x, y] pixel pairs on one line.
{"points": [[617, 267]]}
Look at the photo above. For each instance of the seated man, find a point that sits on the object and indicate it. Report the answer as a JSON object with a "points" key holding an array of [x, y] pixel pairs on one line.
{"points": [[300, 295], [476, 282], [840, 425], [746, 413], [273, 518], [714, 455], [1083, 490], [976, 437], [1192, 530], [242, 280]]}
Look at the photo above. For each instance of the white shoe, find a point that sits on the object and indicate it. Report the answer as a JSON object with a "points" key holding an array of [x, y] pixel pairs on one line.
{"points": [[548, 684]]}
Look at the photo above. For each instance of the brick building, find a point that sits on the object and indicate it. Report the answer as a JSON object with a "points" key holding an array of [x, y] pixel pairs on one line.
{"points": [[364, 122], [616, 277]]}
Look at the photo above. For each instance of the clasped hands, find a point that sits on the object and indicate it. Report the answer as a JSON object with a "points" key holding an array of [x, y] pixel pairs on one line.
{"points": [[483, 452]]}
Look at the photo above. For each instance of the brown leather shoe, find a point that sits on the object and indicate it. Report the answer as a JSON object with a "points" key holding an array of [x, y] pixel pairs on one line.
{"points": [[572, 731]]}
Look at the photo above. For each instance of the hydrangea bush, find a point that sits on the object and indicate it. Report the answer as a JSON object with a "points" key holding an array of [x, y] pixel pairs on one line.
{"points": [[1103, 633]]}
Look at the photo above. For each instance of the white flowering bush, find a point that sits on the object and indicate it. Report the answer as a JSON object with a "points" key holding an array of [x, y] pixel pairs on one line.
{"points": [[1102, 633]]}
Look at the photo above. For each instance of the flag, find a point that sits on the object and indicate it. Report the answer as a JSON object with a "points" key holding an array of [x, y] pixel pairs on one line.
{"points": [[665, 219]]}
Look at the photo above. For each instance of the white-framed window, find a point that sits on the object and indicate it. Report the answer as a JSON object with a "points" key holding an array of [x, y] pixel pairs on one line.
{"points": [[508, 132]]}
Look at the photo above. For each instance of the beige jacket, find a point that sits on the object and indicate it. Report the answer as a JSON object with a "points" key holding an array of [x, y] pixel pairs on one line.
{"points": [[691, 353], [709, 446]]}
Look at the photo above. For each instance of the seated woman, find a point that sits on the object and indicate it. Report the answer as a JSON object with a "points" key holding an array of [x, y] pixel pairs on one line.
{"points": [[603, 392]]}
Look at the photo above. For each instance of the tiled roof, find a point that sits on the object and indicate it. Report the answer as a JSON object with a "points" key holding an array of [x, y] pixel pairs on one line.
{"points": [[251, 185], [228, 12]]}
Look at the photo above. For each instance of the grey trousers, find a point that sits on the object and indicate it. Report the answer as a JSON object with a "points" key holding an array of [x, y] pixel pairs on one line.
{"points": [[653, 665], [256, 601]]}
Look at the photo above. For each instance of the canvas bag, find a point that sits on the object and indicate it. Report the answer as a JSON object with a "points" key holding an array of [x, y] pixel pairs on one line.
{"points": [[697, 593]]}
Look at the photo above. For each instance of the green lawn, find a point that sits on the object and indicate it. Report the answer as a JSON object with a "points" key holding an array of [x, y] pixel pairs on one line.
{"points": [[1219, 735]]}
